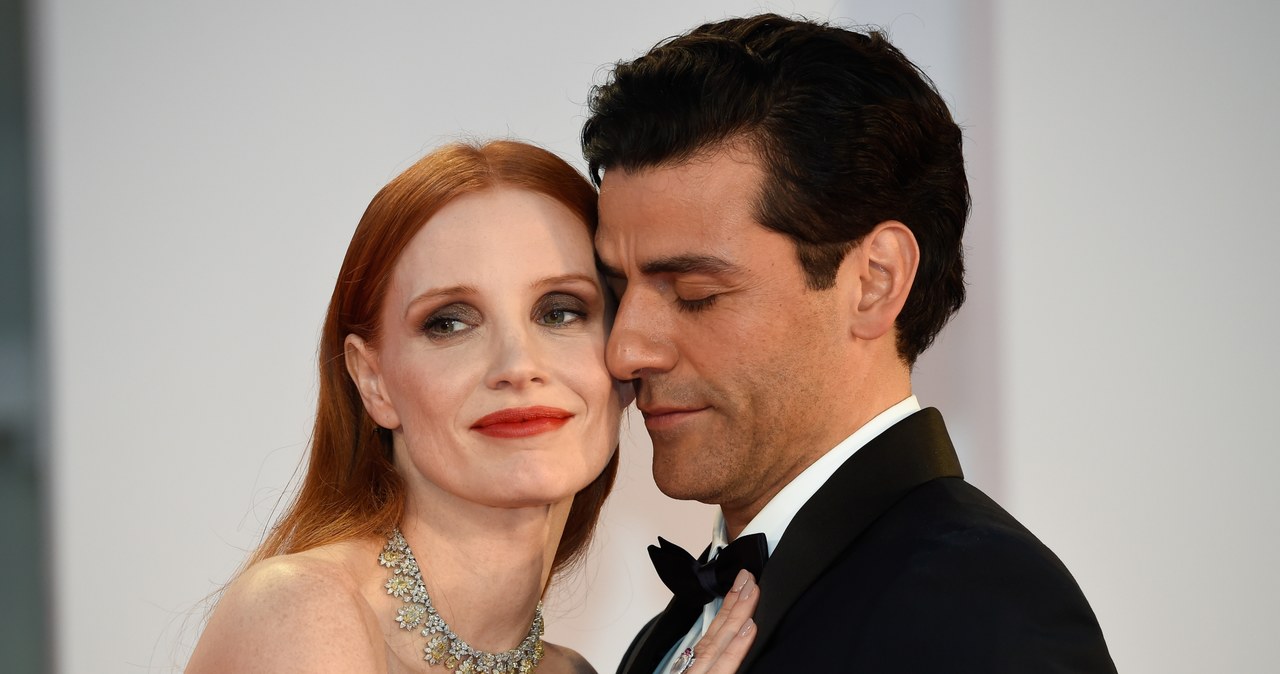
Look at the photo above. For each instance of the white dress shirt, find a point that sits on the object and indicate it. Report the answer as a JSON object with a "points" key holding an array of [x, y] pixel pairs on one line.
{"points": [[776, 516]]}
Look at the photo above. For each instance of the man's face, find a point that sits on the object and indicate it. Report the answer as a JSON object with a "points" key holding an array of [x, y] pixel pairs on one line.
{"points": [[729, 351]]}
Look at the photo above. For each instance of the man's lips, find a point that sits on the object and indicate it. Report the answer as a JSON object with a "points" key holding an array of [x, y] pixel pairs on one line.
{"points": [[659, 418], [521, 422]]}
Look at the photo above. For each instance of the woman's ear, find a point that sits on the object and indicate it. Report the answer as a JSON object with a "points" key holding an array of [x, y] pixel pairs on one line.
{"points": [[365, 371], [885, 264]]}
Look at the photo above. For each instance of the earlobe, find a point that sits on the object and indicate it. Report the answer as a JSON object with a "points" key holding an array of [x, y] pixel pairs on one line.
{"points": [[886, 261], [364, 369]]}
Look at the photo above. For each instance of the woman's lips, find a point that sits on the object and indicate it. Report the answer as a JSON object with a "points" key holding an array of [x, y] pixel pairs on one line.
{"points": [[521, 422]]}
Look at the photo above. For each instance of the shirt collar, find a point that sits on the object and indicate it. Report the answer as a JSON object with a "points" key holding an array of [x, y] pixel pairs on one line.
{"points": [[776, 516]]}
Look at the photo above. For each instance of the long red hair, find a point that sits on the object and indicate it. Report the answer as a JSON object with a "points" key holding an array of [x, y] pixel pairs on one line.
{"points": [[351, 489]]}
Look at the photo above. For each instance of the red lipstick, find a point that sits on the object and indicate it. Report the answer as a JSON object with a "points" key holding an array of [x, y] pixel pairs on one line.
{"points": [[521, 422]]}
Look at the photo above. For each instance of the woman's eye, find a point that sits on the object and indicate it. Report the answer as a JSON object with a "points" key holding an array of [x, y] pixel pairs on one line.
{"points": [[560, 309], [444, 327], [451, 320], [557, 317]]}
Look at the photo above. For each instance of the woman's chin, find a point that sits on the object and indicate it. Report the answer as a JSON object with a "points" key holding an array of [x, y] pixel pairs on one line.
{"points": [[541, 483], [533, 496]]}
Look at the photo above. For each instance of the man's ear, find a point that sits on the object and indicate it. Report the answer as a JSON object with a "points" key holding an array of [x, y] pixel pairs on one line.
{"points": [[365, 371], [885, 263]]}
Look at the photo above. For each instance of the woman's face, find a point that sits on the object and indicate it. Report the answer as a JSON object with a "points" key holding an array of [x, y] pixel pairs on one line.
{"points": [[490, 370]]}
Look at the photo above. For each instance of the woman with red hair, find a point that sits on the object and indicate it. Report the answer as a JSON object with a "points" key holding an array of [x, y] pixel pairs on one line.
{"points": [[465, 438]]}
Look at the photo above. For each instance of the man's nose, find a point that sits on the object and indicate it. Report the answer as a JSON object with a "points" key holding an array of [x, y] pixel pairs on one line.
{"points": [[641, 341]]}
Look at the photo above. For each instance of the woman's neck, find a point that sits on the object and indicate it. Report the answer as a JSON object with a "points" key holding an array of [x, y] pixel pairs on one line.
{"points": [[485, 568]]}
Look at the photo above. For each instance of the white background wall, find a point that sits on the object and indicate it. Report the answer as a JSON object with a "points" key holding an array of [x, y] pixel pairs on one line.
{"points": [[1138, 172], [203, 166]]}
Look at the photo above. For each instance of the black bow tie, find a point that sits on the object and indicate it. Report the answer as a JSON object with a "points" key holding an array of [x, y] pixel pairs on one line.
{"points": [[700, 582]]}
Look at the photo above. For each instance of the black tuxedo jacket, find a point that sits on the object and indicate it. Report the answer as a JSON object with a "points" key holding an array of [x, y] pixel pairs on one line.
{"points": [[898, 565]]}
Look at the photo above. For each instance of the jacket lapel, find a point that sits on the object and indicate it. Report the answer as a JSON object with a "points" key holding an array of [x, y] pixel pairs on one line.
{"points": [[906, 455], [658, 637]]}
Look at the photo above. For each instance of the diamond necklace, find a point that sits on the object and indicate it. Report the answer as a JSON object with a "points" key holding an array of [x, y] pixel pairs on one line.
{"points": [[443, 646]]}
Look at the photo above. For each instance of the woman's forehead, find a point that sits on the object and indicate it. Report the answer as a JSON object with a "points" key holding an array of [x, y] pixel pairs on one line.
{"points": [[496, 235]]}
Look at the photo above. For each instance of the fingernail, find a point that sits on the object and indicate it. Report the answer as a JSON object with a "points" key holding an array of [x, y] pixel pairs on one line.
{"points": [[741, 580], [747, 627], [748, 589]]}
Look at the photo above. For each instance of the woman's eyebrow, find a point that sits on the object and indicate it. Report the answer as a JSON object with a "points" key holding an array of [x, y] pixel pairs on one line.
{"points": [[435, 293], [566, 278]]}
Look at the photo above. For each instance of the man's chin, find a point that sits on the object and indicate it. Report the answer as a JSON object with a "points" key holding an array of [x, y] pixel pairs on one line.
{"points": [[686, 486], [699, 495]]}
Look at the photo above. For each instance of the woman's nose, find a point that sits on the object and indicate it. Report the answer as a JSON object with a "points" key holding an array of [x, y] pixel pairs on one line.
{"points": [[517, 360]]}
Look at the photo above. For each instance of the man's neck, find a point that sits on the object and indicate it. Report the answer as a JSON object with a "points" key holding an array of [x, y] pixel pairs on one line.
{"points": [[813, 473]]}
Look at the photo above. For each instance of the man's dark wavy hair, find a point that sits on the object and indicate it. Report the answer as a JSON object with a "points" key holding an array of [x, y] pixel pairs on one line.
{"points": [[850, 133]]}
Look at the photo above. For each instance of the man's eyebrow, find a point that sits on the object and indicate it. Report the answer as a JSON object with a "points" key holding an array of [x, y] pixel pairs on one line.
{"points": [[609, 272], [677, 264], [688, 264]]}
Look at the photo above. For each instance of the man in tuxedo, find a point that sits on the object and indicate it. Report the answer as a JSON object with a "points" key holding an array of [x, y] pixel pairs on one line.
{"points": [[781, 211]]}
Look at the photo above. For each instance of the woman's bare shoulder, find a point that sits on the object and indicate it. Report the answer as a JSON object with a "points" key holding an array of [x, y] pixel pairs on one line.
{"points": [[301, 612], [563, 660]]}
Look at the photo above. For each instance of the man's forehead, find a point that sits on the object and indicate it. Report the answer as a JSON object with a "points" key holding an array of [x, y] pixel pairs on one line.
{"points": [[728, 160], [640, 242], [677, 197]]}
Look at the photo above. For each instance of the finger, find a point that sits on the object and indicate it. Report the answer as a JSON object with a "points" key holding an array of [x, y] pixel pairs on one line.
{"points": [[737, 606], [727, 630], [730, 600], [728, 659], [736, 650]]}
